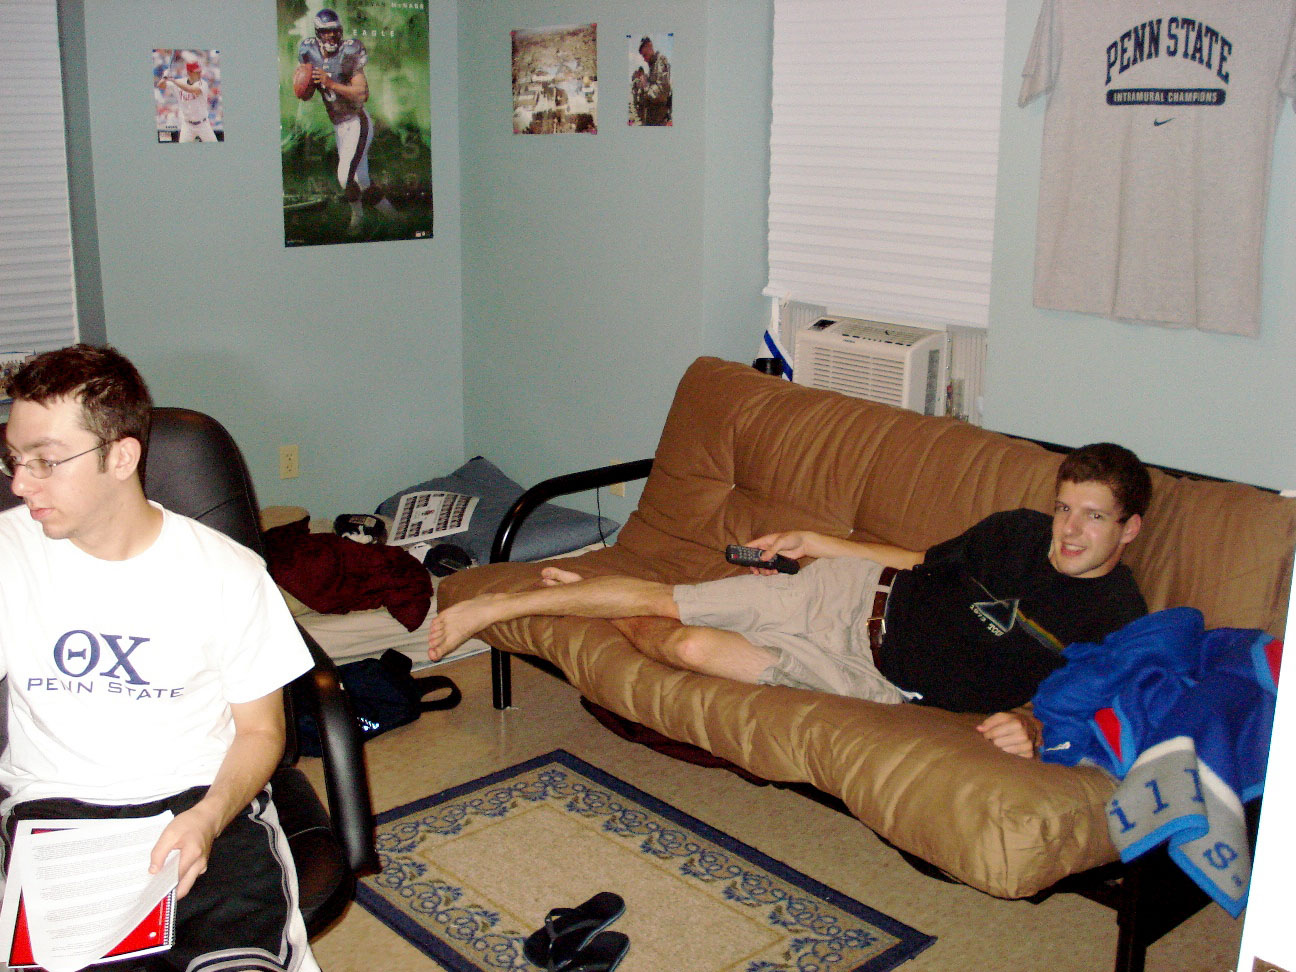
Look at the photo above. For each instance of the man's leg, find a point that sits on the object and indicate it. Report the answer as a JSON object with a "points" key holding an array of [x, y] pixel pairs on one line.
{"points": [[242, 912], [351, 135], [565, 594], [370, 194], [645, 611], [709, 651]]}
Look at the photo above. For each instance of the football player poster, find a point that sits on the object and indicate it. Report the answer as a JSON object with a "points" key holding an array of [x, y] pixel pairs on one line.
{"points": [[355, 121], [555, 80], [187, 95]]}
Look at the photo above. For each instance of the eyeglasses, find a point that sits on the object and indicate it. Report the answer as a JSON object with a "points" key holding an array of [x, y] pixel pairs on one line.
{"points": [[40, 468]]}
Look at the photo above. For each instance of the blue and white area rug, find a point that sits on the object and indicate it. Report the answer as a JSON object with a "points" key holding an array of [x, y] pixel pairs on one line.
{"points": [[468, 873]]}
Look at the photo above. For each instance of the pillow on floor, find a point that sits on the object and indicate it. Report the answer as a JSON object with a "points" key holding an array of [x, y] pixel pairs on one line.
{"points": [[550, 530]]}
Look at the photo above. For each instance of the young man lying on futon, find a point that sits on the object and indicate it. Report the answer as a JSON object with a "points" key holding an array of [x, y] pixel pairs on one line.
{"points": [[973, 624]]}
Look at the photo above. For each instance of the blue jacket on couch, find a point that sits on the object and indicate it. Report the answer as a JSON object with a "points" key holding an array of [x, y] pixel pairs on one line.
{"points": [[1182, 715]]}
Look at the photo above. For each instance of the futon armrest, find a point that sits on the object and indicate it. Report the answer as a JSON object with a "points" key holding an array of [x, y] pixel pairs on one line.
{"points": [[542, 492], [345, 780]]}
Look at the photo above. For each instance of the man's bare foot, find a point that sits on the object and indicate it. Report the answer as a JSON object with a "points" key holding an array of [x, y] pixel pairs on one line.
{"points": [[456, 624], [552, 576]]}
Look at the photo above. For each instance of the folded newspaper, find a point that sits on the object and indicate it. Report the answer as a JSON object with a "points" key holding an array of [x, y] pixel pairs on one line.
{"points": [[428, 515]]}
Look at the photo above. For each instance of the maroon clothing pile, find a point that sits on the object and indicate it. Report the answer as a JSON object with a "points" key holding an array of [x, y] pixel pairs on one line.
{"points": [[333, 575]]}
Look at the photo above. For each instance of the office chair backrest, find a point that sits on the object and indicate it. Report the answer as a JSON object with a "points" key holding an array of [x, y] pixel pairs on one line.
{"points": [[194, 468]]}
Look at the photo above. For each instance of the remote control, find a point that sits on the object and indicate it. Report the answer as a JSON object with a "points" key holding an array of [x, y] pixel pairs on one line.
{"points": [[751, 557]]}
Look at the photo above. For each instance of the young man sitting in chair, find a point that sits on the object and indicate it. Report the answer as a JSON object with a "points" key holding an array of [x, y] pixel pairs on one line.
{"points": [[972, 624], [145, 654]]}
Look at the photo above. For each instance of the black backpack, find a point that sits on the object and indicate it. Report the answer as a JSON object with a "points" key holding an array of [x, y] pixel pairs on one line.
{"points": [[384, 695]]}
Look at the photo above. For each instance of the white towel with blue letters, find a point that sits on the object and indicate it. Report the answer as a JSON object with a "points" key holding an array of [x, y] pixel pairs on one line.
{"points": [[1182, 716]]}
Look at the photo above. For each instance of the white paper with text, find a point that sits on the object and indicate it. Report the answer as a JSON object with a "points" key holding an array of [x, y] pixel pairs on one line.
{"points": [[84, 885], [430, 514]]}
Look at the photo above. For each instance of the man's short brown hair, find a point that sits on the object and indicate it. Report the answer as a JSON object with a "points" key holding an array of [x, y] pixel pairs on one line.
{"points": [[1115, 467], [115, 401]]}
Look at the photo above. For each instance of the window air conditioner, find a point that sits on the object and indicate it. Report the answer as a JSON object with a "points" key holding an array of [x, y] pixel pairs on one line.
{"points": [[890, 363]]}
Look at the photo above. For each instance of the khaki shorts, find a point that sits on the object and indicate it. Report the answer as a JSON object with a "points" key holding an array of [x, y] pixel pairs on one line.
{"points": [[815, 622]]}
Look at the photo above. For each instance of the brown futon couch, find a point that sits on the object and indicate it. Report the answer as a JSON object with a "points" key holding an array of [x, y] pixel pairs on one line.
{"points": [[743, 454]]}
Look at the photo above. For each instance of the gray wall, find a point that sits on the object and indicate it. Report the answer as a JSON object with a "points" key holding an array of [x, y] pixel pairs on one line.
{"points": [[1209, 403], [352, 352], [80, 163], [597, 267]]}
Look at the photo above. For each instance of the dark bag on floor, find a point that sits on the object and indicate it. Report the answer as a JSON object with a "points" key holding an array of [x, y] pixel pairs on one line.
{"points": [[384, 694]]}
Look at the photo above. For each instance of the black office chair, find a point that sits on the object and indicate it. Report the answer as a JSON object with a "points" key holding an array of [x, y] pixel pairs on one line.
{"points": [[195, 468]]}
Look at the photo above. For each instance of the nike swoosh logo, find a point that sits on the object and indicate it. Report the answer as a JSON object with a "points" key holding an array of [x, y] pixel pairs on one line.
{"points": [[1158, 122]]}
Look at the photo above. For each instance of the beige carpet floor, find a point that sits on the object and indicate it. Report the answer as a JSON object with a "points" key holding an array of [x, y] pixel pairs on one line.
{"points": [[976, 933], [476, 870]]}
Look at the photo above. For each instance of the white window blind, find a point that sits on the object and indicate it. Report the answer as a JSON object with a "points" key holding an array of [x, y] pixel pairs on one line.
{"points": [[883, 154], [37, 289]]}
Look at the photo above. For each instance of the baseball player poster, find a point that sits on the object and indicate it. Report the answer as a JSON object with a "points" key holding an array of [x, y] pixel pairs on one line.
{"points": [[355, 121], [187, 95]]}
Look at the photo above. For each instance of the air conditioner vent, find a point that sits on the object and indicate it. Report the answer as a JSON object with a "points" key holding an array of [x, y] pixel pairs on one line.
{"points": [[890, 363]]}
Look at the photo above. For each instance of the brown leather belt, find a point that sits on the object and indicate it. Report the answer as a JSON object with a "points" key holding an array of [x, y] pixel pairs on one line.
{"points": [[877, 617]]}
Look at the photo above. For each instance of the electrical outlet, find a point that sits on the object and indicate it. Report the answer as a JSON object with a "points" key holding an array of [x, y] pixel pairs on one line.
{"points": [[289, 462], [617, 489]]}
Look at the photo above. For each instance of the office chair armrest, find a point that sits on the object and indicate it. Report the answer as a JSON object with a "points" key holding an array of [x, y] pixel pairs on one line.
{"points": [[345, 779]]}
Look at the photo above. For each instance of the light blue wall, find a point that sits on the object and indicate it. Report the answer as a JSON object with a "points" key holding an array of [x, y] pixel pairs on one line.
{"points": [[352, 352], [1205, 402], [738, 114], [594, 269], [597, 267]]}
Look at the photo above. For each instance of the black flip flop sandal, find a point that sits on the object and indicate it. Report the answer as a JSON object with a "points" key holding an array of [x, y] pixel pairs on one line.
{"points": [[567, 931], [602, 953]]}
